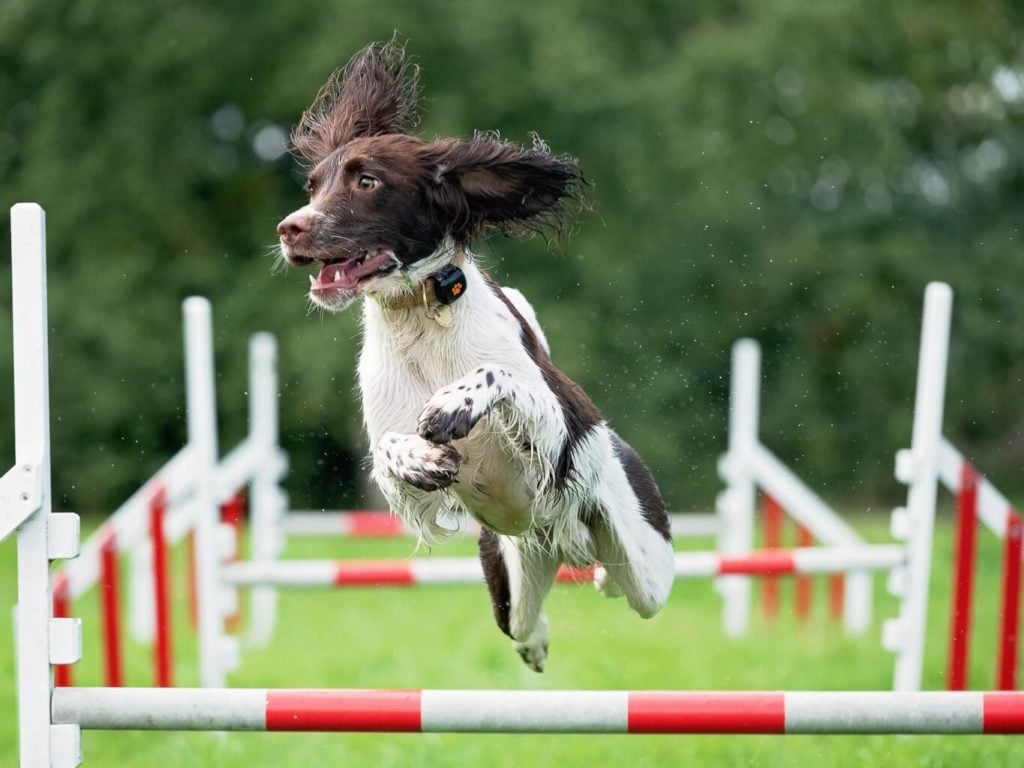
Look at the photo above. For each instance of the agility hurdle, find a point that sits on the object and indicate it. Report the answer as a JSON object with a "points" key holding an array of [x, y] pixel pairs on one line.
{"points": [[164, 511], [483, 711], [931, 461], [746, 466]]}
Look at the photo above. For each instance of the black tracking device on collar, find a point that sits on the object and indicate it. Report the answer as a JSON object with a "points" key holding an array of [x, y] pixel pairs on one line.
{"points": [[449, 284]]}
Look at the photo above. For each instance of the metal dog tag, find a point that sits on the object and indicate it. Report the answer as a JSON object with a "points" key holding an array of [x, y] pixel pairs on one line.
{"points": [[443, 316]]}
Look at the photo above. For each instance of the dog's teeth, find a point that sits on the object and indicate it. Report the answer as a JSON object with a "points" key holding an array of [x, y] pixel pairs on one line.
{"points": [[337, 275], [312, 281]]}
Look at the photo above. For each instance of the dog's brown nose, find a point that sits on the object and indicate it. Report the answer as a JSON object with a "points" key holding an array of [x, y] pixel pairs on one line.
{"points": [[294, 225]]}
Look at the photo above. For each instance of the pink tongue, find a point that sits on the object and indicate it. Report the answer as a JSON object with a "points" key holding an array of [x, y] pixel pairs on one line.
{"points": [[346, 275]]}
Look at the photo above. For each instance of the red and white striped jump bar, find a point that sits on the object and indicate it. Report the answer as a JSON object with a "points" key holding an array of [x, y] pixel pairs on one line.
{"points": [[370, 524], [197, 709], [467, 570]]}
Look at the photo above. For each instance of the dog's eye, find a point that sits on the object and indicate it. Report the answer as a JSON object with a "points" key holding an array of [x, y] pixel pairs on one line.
{"points": [[366, 182], [311, 186]]}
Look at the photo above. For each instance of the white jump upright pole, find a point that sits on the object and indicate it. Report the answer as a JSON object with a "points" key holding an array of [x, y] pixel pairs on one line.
{"points": [[918, 467], [267, 502], [216, 650], [25, 504], [736, 504]]}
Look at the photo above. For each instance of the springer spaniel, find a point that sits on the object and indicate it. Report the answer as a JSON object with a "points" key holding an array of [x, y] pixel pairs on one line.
{"points": [[463, 406]]}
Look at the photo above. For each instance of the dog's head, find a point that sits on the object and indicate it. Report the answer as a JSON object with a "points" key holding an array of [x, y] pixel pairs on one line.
{"points": [[381, 201]]}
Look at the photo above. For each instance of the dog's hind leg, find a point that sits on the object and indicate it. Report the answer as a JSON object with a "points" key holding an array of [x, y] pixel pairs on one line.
{"points": [[631, 532], [519, 574], [635, 562], [496, 578]]}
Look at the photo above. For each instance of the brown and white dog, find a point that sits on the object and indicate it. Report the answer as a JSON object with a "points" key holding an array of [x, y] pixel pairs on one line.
{"points": [[464, 409]]}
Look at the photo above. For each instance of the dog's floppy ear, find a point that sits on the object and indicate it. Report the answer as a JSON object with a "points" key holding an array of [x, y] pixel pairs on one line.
{"points": [[374, 94], [486, 181]]}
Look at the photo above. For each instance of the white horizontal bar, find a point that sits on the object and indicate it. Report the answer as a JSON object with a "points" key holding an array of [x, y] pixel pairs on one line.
{"points": [[525, 711], [878, 712], [283, 573], [696, 564], [447, 570], [694, 524], [867, 557], [165, 709]]}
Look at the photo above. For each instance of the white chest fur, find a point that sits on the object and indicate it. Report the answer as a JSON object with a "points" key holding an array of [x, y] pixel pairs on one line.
{"points": [[407, 356]]}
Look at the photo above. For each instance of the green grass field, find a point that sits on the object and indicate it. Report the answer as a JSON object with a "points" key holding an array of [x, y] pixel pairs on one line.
{"points": [[444, 637]]}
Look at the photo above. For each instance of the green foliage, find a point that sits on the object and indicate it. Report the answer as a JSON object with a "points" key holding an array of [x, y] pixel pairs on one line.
{"points": [[792, 171]]}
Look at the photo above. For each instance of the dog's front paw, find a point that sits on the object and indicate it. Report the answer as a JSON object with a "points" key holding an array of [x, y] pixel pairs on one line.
{"points": [[419, 463], [453, 411]]}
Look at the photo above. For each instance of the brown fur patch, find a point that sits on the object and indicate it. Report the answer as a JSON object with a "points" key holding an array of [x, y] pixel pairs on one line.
{"points": [[652, 506], [496, 576], [578, 410]]}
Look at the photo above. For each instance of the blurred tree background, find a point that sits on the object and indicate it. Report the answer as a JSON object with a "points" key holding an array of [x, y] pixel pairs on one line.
{"points": [[793, 171]]}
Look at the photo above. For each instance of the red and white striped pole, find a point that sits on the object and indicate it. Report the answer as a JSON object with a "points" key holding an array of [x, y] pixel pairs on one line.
{"points": [[963, 577], [110, 609], [1009, 625], [476, 711], [162, 643], [467, 570]]}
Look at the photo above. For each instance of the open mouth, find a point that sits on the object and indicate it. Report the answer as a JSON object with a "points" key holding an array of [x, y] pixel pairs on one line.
{"points": [[345, 275]]}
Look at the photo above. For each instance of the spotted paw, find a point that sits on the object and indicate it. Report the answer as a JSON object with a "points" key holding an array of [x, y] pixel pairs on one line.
{"points": [[419, 463], [453, 411], [442, 425]]}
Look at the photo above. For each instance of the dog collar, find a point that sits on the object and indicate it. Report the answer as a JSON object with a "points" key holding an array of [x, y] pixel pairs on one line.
{"points": [[436, 293]]}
